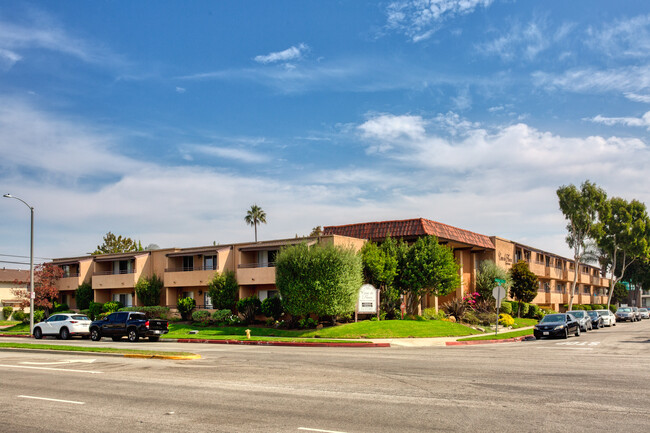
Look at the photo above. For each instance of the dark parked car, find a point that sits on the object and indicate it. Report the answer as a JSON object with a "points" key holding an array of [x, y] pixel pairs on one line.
{"points": [[130, 324], [596, 319], [557, 325]]}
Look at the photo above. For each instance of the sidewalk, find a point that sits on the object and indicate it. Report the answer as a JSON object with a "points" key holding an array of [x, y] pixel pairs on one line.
{"points": [[443, 341]]}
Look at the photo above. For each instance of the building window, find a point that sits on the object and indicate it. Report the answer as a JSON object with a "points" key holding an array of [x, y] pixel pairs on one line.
{"points": [[587, 290], [547, 287], [188, 263], [125, 299], [188, 295], [122, 267], [66, 271], [210, 263]]}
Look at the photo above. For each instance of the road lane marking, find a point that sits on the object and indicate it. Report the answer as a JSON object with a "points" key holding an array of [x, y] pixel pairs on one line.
{"points": [[319, 430], [86, 361], [51, 369], [51, 399], [565, 348], [578, 343]]}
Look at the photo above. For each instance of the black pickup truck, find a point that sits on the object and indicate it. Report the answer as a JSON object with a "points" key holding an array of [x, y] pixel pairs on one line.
{"points": [[130, 324]]}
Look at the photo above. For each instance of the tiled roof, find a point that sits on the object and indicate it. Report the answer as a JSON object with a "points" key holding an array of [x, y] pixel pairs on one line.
{"points": [[410, 228], [10, 275]]}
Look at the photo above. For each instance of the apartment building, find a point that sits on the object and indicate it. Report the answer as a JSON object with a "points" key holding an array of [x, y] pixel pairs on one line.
{"points": [[9, 281], [555, 273], [185, 272]]}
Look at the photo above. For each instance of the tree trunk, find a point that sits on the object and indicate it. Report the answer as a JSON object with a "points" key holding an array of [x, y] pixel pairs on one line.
{"points": [[576, 269]]}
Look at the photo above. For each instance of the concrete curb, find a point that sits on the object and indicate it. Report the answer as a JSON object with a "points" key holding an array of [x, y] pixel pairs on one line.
{"points": [[15, 335], [119, 355], [472, 342], [276, 343]]}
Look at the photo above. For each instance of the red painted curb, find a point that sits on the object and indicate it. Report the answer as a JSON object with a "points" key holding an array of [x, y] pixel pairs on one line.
{"points": [[467, 343], [280, 343], [16, 336]]}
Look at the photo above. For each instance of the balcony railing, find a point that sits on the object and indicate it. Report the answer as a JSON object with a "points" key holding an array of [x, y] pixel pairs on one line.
{"points": [[257, 265], [191, 269], [70, 275], [120, 272]]}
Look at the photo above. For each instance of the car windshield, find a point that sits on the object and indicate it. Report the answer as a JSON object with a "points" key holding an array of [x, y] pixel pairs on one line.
{"points": [[80, 317], [553, 318], [603, 312], [592, 313], [138, 316], [624, 310], [643, 310], [577, 314]]}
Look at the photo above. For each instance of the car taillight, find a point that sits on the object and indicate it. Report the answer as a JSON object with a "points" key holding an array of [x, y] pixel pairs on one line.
{"points": [[73, 321], [146, 324]]}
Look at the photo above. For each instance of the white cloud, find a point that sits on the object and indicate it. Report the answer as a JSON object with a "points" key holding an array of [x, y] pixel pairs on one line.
{"points": [[420, 19], [291, 53], [8, 59], [389, 128], [622, 38], [627, 80], [232, 153], [180, 89], [643, 121], [637, 98]]}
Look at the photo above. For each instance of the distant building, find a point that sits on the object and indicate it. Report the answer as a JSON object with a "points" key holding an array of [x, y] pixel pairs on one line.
{"points": [[8, 278]]}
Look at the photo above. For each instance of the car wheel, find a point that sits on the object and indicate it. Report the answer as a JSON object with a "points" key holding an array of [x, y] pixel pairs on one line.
{"points": [[95, 335], [64, 334], [566, 334], [133, 335], [38, 334], [577, 334], [154, 338], [116, 338]]}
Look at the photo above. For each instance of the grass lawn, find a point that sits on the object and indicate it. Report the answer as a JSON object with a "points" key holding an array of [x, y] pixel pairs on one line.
{"points": [[8, 322], [522, 323], [93, 349], [500, 336], [365, 329], [20, 328]]}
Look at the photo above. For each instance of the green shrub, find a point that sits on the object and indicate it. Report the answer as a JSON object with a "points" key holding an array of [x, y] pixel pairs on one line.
{"points": [[455, 308], [506, 308], [597, 307], [185, 307], [94, 310], [506, 320], [6, 311], [272, 307], [84, 296], [223, 289], [547, 310], [470, 317], [432, 314], [613, 308], [586, 307], [524, 308], [39, 316], [59, 308], [307, 323], [154, 312], [221, 316], [111, 307], [20, 316], [534, 311], [148, 290], [202, 316], [86, 312], [249, 308], [486, 319]]}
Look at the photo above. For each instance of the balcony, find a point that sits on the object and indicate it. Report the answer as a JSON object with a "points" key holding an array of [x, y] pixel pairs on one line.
{"points": [[538, 268], [256, 273], [114, 280], [595, 280], [553, 273], [584, 278], [569, 274], [188, 277], [69, 282]]}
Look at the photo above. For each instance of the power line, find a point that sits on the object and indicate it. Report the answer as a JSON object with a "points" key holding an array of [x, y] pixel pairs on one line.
{"points": [[24, 257], [14, 263]]}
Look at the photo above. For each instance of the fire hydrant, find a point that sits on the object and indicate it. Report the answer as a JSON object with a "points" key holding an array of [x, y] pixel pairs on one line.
{"points": [[248, 334]]}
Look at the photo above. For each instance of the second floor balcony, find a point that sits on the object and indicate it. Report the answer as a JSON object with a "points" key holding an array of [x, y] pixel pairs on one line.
{"points": [[256, 273], [114, 279], [189, 276]]}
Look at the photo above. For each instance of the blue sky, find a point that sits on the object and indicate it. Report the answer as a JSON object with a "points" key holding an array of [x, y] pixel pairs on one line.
{"points": [[165, 120]]}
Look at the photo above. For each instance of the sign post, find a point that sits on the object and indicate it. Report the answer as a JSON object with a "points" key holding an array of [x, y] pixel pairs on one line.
{"points": [[368, 301], [499, 293]]}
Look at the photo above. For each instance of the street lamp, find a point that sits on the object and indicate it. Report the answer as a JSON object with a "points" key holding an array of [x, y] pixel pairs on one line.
{"points": [[31, 265]]}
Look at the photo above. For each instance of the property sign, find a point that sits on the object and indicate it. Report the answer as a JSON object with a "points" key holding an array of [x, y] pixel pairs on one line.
{"points": [[368, 300]]}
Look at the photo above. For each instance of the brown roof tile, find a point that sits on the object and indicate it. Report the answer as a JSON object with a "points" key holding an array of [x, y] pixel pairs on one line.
{"points": [[410, 228]]}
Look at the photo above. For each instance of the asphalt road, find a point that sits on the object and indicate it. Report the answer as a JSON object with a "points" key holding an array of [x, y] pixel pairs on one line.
{"points": [[595, 382]]}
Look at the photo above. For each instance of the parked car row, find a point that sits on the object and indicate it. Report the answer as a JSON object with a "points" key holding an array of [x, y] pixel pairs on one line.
{"points": [[572, 323], [130, 324], [632, 314]]}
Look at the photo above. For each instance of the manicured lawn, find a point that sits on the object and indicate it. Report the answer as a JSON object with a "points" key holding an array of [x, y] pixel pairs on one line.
{"points": [[8, 322], [522, 323], [500, 336], [20, 328], [93, 349], [365, 329]]}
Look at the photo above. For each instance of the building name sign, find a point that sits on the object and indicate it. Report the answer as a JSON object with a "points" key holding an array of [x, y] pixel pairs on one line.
{"points": [[368, 300], [506, 258]]}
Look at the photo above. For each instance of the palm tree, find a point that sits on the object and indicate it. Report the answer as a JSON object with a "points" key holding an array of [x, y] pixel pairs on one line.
{"points": [[255, 216]]}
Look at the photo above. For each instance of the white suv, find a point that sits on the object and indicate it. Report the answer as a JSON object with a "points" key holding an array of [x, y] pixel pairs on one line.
{"points": [[63, 325]]}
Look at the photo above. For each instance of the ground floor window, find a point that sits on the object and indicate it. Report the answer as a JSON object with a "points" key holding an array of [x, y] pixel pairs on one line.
{"points": [[125, 299], [188, 295]]}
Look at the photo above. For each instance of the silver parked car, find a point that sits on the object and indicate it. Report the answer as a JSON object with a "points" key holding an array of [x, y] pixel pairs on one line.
{"points": [[624, 314], [583, 319], [645, 314], [609, 319]]}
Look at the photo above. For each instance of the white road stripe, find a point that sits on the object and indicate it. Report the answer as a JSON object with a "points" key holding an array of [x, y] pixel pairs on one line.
{"points": [[565, 348], [319, 430], [86, 361], [51, 399], [51, 369]]}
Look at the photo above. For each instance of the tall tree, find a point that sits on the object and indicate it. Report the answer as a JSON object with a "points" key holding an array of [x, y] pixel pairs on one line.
{"points": [[45, 290], [148, 290], [623, 236], [426, 267], [117, 244], [380, 270], [223, 289], [524, 284], [486, 274], [255, 216], [316, 231], [580, 208]]}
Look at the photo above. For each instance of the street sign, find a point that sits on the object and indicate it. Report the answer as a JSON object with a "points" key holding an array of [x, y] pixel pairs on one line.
{"points": [[499, 293], [500, 281]]}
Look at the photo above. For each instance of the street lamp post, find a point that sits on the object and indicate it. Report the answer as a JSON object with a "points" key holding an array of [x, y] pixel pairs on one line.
{"points": [[31, 264]]}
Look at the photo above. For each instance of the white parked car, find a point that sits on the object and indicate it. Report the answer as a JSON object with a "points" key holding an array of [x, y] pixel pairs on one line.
{"points": [[645, 314], [609, 318], [63, 325]]}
